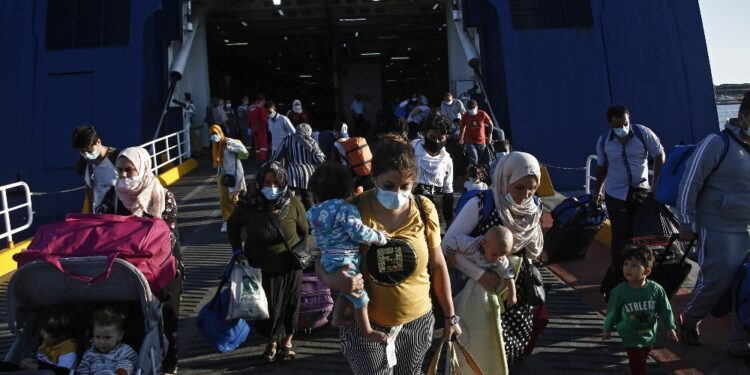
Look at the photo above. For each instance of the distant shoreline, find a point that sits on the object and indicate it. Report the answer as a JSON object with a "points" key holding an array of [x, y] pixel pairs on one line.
{"points": [[730, 93]]}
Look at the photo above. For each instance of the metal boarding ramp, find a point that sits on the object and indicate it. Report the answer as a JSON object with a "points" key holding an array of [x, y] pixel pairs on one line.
{"points": [[571, 344]]}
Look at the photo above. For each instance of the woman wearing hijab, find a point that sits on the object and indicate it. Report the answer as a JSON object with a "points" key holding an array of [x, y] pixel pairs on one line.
{"points": [[297, 115], [301, 153], [272, 205], [514, 183], [140, 193], [226, 154]]}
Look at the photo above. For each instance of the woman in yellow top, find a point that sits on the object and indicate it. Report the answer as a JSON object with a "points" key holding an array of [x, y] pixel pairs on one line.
{"points": [[396, 275]]}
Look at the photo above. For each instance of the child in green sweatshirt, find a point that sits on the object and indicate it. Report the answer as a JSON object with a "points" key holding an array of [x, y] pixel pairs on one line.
{"points": [[634, 306]]}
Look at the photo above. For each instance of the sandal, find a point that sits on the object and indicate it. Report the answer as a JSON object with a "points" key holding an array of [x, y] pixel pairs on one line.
{"points": [[269, 355], [287, 354], [689, 334]]}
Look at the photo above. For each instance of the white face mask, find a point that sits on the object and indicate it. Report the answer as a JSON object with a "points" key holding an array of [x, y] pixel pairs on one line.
{"points": [[622, 132], [392, 199], [472, 111], [449, 101], [128, 183], [92, 155], [271, 114], [215, 138], [297, 109]]}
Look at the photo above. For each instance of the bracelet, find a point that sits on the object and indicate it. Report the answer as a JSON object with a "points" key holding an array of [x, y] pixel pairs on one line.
{"points": [[450, 317]]}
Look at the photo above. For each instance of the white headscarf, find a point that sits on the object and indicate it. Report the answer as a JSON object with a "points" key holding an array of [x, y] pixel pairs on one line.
{"points": [[148, 196], [522, 219], [297, 106]]}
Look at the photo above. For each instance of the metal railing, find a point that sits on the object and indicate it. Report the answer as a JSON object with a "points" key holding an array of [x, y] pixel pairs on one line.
{"points": [[9, 230], [168, 149], [589, 177]]}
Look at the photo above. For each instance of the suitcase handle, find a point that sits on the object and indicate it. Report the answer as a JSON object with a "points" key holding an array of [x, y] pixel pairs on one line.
{"points": [[686, 249]]}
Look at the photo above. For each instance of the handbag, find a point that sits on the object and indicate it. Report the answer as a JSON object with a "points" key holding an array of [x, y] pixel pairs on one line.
{"points": [[532, 284], [229, 180], [224, 335], [453, 358], [301, 253]]}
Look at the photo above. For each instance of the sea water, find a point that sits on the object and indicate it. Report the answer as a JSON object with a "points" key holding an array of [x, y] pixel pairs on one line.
{"points": [[726, 111]]}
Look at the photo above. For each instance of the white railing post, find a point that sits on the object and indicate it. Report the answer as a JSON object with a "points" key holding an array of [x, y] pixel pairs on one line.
{"points": [[587, 184], [6, 218], [179, 146], [171, 141]]}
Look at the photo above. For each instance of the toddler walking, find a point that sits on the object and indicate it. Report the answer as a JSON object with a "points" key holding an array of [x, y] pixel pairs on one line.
{"points": [[489, 252], [109, 355], [338, 230], [634, 306]]}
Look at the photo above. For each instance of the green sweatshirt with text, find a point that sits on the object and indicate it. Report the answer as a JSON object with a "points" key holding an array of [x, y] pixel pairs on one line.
{"points": [[633, 311]]}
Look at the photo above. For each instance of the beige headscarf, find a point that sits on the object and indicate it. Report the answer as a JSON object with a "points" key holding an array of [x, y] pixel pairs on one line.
{"points": [[522, 219], [148, 196]]}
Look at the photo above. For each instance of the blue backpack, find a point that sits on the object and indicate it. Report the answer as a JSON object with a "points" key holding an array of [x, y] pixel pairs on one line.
{"points": [[674, 167], [743, 295], [485, 195], [579, 212], [224, 335]]}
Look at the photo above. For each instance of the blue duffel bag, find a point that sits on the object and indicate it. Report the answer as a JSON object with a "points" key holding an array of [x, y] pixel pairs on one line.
{"points": [[225, 335]]}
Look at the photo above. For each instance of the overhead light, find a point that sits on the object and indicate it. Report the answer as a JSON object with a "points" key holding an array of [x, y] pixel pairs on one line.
{"points": [[370, 54], [238, 44], [391, 80], [386, 37], [276, 2], [226, 41], [352, 19], [436, 6], [305, 76], [244, 23], [399, 57]]}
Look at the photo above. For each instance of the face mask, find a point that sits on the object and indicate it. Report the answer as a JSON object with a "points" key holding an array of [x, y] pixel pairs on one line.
{"points": [[622, 132], [271, 193], [449, 101], [128, 183], [472, 111], [392, 199], [432, 145], [344, 135], [297, 109], [500, 155], [215, 138], [271, 114], [92, 156]]}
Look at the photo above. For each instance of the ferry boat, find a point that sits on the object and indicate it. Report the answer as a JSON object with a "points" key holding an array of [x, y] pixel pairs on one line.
{"points": [[546, 70]]}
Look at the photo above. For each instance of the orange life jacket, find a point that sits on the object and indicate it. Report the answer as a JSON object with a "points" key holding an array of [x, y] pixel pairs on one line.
{"points": [[358, 155]]}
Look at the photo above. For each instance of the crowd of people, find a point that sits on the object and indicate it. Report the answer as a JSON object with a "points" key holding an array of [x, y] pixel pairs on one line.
{"points": [[354, 201]]}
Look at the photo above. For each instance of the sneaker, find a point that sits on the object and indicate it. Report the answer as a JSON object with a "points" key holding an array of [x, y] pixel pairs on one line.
{"points": [[224, 227], [689, 333]]}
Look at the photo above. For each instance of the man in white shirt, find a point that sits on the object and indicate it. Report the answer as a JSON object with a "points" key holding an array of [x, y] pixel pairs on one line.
{"points": [[279, 125], [434, 164]]}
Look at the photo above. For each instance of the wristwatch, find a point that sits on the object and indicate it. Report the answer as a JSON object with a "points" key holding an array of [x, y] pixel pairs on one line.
{"points": [[453, 320]]}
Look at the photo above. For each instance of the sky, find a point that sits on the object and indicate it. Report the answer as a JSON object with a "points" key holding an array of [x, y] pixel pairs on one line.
{"points": [[726, 24]]}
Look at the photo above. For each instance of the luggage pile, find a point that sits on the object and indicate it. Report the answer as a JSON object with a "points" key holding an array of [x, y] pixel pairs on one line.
{"points": [[577, 220]]}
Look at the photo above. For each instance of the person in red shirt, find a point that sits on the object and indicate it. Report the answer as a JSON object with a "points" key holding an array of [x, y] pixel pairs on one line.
{"points": [[297, 115], [257, 119], [473, 135]]}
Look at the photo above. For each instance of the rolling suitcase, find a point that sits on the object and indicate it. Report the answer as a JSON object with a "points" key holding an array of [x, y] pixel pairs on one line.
{"points": [[316, 303], [577, 220], [670, 267]]}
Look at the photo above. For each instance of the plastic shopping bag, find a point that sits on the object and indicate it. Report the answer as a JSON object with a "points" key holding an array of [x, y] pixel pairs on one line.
{"points": [[248, 298]]}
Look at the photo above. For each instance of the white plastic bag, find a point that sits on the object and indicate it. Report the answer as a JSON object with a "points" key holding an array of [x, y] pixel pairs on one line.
{"points": [[248, 298]]}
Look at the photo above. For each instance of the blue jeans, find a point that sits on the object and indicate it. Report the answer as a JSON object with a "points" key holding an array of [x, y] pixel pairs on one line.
{"points": [[474, 152]]}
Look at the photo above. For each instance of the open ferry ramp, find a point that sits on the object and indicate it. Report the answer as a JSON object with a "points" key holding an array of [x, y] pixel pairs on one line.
{"points": [[571, 343]]}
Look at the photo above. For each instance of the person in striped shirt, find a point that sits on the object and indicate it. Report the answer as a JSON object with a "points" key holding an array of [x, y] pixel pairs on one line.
{"points": [[301, 154], [108, 355]]}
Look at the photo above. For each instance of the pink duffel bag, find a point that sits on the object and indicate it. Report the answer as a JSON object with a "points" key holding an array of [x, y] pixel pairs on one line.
{"points": [[143, 242]]}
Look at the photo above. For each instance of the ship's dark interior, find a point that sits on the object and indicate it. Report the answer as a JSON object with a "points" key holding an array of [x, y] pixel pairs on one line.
{"points": [[323, 52]]}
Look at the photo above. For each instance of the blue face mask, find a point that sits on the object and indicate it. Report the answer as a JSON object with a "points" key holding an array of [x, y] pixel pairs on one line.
{"points": [[92, 156], [500, 155], [215, 138], [392, 199], [622, 132], [271, 193]]}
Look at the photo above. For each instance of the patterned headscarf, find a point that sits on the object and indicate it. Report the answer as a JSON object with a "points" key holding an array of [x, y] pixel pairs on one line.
{"points": [[522, 219], [147, 196], [280, 173], [217, 148], [304, 136]]}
